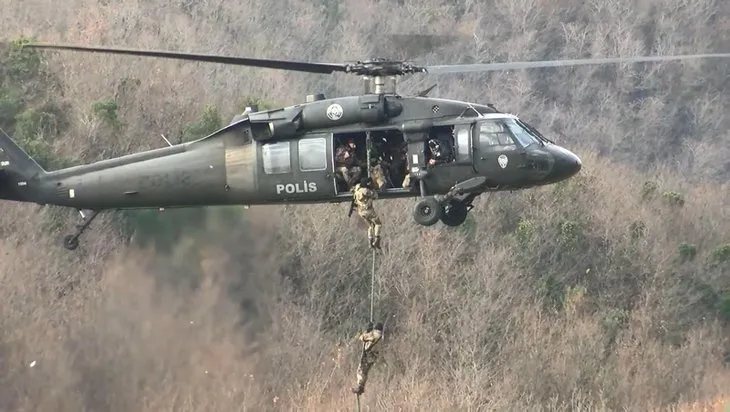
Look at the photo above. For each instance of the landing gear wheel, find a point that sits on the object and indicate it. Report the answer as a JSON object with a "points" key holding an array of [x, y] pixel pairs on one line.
{"points": [[454, 213], [427, 212], [71, 242]]}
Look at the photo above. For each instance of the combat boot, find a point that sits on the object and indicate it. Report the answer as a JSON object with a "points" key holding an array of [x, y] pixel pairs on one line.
{"points": [[376, 242], [371, 241]]}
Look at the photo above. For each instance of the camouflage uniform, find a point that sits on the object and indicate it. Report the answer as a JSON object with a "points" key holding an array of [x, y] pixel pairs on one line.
{"points": [[378, 174], [364, 197], [407, 181], [369, 338], [402, 154], [347, 165], [366, 362]]}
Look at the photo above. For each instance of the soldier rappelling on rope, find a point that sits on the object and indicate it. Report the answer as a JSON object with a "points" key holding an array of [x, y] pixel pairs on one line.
{"points": [[369, 338], [363, 198]]}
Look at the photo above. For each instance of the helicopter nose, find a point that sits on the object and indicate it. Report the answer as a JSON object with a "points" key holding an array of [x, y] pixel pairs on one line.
{"points": [[567, 164]]}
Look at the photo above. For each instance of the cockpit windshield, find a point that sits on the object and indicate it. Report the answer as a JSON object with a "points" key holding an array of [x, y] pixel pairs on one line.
{"points": [[522, 133], [534, 131], [494, 133]]}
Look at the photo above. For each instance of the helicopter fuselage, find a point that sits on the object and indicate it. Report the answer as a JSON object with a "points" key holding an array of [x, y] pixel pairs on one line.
{"points": [[266, 158], [288, 155]]}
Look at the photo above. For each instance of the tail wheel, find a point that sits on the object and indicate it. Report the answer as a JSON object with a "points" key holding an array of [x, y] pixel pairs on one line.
{"points": [[427, 212], [454, 213], [71, 242]]}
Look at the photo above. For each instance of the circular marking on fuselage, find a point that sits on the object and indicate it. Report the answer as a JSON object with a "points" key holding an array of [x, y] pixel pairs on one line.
{"points": [[334, 112], [502, 160]]}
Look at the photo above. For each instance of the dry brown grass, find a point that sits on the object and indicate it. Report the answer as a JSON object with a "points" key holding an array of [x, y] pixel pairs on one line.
{"points": [[260, 314]]}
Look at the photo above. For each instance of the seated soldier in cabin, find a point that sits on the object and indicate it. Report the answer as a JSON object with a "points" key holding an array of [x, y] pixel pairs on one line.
{"points": [[378, 154], [393, 164], [399, 168], [377, 173], [387, 160], [440, 149], [435, 153], [347, 166]]}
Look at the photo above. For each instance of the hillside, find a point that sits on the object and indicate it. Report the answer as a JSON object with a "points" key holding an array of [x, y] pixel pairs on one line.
{"points": [[609, 291]]}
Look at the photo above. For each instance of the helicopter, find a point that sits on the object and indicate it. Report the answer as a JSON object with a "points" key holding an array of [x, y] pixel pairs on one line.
{"points": [[448, 152]]}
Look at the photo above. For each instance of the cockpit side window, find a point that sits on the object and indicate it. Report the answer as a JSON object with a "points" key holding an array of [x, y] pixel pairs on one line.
{"points": [[494, 133], [521, 134], [536, 133]]}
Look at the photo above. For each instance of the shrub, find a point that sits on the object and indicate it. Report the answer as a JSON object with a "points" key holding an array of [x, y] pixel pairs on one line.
{"points": [[674, 199], [687, 252], [208, 122]]}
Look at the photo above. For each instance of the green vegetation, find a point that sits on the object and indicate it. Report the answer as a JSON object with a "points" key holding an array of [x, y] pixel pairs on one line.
{"points": [[21, 65], [673, 198], [208, 122], [525, 232], [721, 253], [262, 104], [649, 189], [106, 111], [687, 252], [27, 111]]}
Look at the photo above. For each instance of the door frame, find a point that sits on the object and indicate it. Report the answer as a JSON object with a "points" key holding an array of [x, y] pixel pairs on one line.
{"points": [[322, 176], [467, 156]]}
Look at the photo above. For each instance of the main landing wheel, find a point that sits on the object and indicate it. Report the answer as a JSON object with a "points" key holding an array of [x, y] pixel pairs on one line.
{"points": [[454, 213], [427, 212]]}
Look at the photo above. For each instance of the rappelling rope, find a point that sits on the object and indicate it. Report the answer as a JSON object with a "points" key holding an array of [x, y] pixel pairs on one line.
{"points": [[372, 289], [372, 312]]}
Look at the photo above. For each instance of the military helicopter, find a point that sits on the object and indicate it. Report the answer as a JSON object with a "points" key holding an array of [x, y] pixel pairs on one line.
{"points": [[451, 151]]}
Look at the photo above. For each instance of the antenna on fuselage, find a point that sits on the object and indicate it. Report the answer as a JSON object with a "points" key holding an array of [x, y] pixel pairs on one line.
{"points": [[167, 141]]}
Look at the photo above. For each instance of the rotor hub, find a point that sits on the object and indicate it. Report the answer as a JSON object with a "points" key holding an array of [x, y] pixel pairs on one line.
{"points": [[382, 67]]}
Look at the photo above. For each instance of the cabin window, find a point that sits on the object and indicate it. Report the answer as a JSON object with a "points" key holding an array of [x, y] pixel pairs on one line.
{"points": [[313, 154], [494, 133], [462, 144], [276, 158]]}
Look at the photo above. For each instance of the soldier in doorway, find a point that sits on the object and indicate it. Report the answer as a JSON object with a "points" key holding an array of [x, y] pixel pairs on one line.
{"points": [[401, 168], [377, 172], [363, 198], [346, 163]]}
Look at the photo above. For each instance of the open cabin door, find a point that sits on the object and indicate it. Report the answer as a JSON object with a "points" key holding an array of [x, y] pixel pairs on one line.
{"points": [[379, 154]]}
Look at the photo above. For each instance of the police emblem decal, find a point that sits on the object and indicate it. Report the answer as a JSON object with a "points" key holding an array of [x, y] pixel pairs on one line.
{"points": [[502, 160], [334, 112]]}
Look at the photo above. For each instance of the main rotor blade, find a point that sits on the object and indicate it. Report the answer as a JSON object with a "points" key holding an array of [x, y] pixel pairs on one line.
{"points": [[411, 46], [488, 67], [325, 68]]}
